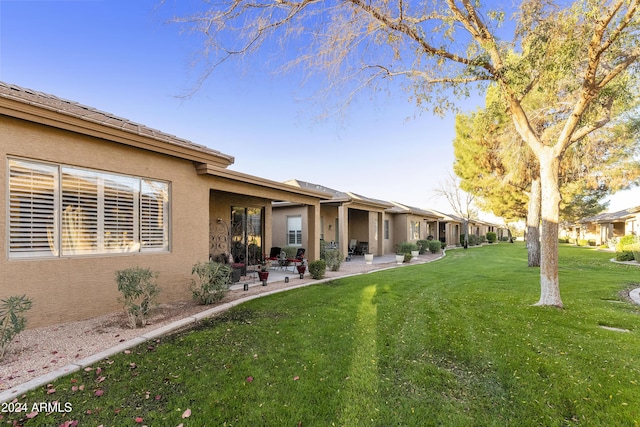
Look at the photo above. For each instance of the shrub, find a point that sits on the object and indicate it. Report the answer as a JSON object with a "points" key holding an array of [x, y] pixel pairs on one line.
{"points": [[317, 269], [474, 240], [212, 282], [624, 248], [290, 251], [492, 237], [333, 259], [635, 250], [406, 248], [423, 246], [11, 321], [583, 242], [627, 240], [407, 257], [139, 293], [434, 246], [561, 240], [624, 255]]}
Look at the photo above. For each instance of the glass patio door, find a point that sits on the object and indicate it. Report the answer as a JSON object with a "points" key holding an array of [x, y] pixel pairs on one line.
{"points": [[246, 235]]}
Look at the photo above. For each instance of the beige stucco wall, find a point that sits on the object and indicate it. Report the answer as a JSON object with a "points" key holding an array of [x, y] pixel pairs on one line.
{"points": [[70, 288], [279, 224]]}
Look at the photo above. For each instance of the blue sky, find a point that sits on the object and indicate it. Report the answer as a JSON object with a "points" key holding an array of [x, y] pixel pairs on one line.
{"points": [[121, 56]]}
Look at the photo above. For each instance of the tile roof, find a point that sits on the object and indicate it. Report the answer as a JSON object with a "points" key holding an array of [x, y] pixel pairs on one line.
{"points": [[337, 195], [77, 110], [612, 216]]}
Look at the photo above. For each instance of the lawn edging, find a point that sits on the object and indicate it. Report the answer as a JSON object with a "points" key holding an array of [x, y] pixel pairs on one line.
{"points": [[13, 392]]}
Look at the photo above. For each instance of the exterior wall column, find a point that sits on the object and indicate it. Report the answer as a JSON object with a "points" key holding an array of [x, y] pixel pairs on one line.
{"points": [[268, 229], [313, 232], [379, 250], [343, 232]]}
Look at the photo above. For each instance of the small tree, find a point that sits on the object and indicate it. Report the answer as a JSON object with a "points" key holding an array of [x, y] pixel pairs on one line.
{"points": [[212, 283], [139, 293], [11, 322], [492, 237]]}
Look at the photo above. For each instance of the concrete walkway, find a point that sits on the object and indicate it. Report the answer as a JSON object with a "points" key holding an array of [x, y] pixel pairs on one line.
{"points": [[354, 267]]}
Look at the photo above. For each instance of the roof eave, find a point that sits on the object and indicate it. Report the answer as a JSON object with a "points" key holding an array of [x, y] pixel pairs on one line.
{"points": [[42, 114]]}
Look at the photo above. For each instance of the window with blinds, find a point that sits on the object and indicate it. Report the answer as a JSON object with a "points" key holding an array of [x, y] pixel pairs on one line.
{"points": [[59, 210], [294, 230], [33, 198], [154, 223]]}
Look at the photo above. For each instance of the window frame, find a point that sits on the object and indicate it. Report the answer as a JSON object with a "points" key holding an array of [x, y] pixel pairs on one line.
{"points": [[297, 236], [112, 226]]}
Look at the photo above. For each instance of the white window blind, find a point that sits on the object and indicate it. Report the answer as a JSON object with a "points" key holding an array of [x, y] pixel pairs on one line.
{"points": [[120, 219], [294, 227], [33, 198], [79, 212], [154, 224], [71, 211]]}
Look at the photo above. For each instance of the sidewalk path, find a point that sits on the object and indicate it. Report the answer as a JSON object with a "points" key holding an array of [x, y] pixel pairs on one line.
{"points": [[41, 355]]}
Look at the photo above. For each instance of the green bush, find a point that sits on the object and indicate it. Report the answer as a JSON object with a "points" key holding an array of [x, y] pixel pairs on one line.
{"points": [[333, 259], [11, 321], [492, 237], [139, 293], [290, 251], [563, 240], [406, 247], [583, 242], [635, 249], [624, 255], [627, 240], [212, 281], [407, 257], [317, 269], [474, 240], [423, 246], [434, 246], [624, 248]]}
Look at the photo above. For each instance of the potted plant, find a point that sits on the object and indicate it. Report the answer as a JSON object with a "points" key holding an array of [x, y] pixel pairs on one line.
{"points": [[263, 273], [301, 269]]}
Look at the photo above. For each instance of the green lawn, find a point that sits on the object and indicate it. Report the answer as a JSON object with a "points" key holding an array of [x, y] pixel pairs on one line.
{"points": [[455, 342]]}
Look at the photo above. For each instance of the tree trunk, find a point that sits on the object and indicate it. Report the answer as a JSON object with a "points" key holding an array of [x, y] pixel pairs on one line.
{"points": [[533, 223], [549, 282]]}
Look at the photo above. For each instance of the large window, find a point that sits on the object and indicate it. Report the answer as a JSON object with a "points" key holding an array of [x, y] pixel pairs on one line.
{"points": [[415, 230], [294, 230], [59, 210]]}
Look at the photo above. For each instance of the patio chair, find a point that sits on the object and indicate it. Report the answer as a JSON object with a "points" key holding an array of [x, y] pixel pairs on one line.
{"points": [[352, 248], [274, 256]]}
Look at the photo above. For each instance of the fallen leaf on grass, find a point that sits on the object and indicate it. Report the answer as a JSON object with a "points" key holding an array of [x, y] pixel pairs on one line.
{"points": [[32, 415], [186, 414], [99, 392], [249, 379], [139, 419], [51, 391], [296, 378]]}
